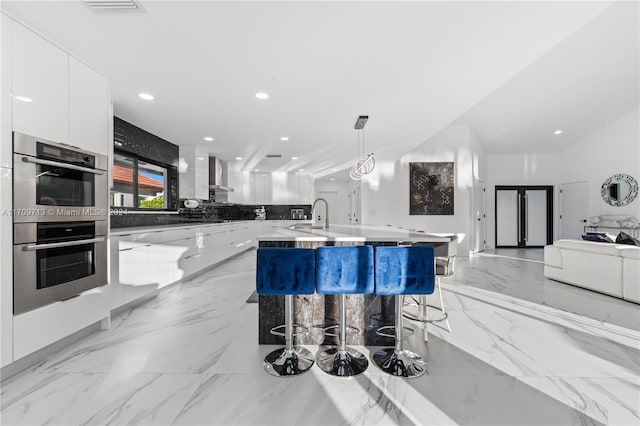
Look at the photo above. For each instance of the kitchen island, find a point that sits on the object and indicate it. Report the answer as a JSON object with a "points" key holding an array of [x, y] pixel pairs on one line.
{"points": [[365, 312]]}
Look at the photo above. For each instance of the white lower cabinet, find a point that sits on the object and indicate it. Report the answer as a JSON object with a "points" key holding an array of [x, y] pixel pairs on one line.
{"points": [[143, 262], [36, 329]]}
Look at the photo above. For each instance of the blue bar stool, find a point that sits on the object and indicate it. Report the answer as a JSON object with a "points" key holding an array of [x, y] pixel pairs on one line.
{"points": [[342, 270], [400, 271], [288, 272]]}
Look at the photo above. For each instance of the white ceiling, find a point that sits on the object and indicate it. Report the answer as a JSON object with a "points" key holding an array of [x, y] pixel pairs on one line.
{"points": [[413, 67], [581, 85]]}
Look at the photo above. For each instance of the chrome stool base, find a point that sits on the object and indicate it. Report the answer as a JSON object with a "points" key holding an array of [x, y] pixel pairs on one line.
{"points": [[284, 362], [349, 363], [399, 363]]}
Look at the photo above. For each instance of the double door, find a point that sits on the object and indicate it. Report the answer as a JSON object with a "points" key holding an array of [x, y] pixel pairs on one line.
{"points": [[524, 216]]}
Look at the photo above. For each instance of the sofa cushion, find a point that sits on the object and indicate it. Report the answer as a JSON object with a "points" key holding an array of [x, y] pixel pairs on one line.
{"points": [[589, 246]]}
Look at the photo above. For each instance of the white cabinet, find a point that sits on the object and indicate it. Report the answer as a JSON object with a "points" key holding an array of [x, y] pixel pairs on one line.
{"points": [[143, 262], [36, 329], [262, 188], [194, 173], [40, 86], [5, 90], [6, 268], [88, 108]]}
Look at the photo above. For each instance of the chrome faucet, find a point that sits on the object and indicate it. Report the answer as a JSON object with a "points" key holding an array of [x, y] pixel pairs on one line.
{"points": [[326, 219]]}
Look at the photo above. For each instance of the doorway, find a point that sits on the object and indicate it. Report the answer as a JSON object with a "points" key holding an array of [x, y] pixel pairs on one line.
{"points": [[524, 216], [574, 207]]}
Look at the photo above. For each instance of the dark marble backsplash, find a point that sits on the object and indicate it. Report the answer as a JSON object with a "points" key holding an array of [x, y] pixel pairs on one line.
{"points": [[208, 213]]}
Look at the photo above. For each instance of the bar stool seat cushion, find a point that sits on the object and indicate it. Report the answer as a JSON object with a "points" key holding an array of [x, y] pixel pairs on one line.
{"points": [[344, 270], [282, 271], [404, 270]]}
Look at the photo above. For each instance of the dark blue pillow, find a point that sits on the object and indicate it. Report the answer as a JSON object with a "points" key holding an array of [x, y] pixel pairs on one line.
{"points": [[624, 238]]}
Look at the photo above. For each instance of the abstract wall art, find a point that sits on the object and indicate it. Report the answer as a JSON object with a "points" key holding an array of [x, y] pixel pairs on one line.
{"points": [[431, 187]]}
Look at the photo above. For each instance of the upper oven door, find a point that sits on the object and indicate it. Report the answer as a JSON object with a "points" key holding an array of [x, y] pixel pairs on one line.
{"points": [[48, 190]]}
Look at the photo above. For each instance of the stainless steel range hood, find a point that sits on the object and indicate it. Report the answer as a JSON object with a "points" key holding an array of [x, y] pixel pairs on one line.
{"points": [[218, 175]]}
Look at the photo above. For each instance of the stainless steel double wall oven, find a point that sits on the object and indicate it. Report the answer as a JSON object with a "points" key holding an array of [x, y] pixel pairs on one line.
{"points": [[60, 212]]}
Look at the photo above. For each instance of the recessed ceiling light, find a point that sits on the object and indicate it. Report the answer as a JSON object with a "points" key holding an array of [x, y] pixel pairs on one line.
{"points": [[23, 99], [262, 95], [200, 158], [146, 96], [557, 132], [238, 158], [301, 170], [208, 138], [256, 170], [294, 158], [284, 138], [332, 178], [334, 170]]}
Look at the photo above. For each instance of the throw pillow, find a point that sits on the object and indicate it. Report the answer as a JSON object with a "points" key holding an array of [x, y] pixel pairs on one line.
{"points": [[624, 238], [599, 237]]}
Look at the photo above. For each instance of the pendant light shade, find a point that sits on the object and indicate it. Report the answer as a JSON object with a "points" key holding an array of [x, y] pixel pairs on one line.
{"points": [[365, 163]]}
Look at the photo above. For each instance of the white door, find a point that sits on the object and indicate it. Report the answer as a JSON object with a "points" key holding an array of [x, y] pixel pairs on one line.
{"points": [[479, 208], [507, 215], [574, 209], [535, 205]]}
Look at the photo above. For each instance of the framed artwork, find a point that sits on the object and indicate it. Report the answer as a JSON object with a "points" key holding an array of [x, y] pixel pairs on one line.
{"points": [[431, 188]]}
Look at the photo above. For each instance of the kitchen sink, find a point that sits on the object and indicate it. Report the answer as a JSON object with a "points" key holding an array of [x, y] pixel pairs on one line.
{"points": [[306, 226]]}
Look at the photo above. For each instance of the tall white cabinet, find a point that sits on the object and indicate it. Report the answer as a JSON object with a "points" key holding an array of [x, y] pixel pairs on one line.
{"points": [[193, 172], [88, 108], [45, 92], [40, 86]]}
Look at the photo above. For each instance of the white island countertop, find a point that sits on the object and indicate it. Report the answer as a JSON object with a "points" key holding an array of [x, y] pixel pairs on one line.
{"points": [[355, 233]]}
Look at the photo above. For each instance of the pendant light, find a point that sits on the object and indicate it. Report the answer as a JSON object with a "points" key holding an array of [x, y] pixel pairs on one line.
{"points": [[366, 163]]}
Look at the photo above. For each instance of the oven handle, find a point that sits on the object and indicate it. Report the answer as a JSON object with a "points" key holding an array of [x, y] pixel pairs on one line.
{"points": [[63, 165], [62, 244]]}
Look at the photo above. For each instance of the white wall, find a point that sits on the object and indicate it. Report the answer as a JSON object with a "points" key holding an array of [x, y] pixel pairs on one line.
{"points": [[613, 149], [385, 192], [342, 205], [519, 170]]}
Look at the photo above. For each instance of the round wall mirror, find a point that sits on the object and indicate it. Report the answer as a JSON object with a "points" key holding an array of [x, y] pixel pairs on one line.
{"points": [[619, 190]]}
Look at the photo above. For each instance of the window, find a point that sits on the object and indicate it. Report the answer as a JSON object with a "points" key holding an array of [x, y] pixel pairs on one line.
{"points": [[138, 183]]}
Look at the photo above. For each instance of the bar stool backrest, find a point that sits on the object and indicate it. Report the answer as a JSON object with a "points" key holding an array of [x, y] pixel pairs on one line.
{"points": [[284, 270], [404, 270], [344, 270]]}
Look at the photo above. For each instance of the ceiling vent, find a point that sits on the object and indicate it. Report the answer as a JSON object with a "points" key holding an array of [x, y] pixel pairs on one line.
{"points": [[274, 156], [112, 4]]}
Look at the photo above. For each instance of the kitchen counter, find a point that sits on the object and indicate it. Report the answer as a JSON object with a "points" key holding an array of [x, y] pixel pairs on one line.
{"points": [[444, 244], [159, 228], [365, 312]]}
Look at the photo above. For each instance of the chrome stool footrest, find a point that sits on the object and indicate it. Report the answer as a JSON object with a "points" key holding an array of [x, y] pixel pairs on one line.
{"points": [[304, 330], [407, 331], [352, 330]]}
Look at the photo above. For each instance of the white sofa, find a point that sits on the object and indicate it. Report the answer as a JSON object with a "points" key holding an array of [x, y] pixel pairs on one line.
{"points": [[608, 268]]}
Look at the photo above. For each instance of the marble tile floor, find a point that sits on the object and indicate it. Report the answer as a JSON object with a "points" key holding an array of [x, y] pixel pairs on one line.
{"points": [[523, 351]]}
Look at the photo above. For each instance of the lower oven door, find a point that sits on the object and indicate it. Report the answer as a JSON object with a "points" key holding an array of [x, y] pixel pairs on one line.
{"points": [[48, 273]]}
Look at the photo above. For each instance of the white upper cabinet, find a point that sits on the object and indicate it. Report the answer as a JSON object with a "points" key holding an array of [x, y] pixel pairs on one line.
{"points": [[5, 89], [194, 173], [88, 108], [40, 86]]}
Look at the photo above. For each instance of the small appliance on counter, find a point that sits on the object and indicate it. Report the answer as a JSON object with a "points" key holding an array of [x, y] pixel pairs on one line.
{"points": [[261, 214], [297, 214]]}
